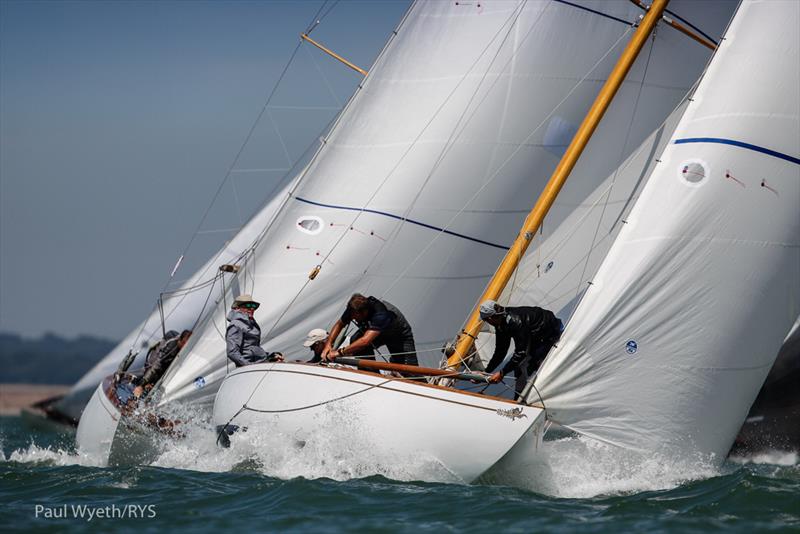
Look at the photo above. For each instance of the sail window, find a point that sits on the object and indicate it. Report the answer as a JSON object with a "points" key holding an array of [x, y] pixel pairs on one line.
{"points": [[559, 135], [310, 224], [693, 172]]}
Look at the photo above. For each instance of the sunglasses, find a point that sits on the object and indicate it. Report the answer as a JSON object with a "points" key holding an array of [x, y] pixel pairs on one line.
{"points": [[249, 305]]}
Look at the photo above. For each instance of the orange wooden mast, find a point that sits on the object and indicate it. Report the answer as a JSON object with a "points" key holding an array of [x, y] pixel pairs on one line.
{"points": [[559, 177]]}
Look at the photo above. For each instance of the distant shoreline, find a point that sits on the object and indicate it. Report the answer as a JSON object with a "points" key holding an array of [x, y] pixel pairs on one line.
{"points": [[15, 397]]}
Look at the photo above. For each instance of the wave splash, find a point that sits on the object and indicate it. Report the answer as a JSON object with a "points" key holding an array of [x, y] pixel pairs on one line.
{"points": [[581, 467], [567, 467], [338, 448]]}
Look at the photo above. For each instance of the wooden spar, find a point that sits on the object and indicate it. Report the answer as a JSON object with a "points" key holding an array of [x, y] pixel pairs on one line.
{"points": [[559, 176], [333, 54], [681, 28], [372, 365]]}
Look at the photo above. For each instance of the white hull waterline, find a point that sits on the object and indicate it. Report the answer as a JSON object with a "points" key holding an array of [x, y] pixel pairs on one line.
{"points": [[119, 433], [394, 419], [95, 440]]}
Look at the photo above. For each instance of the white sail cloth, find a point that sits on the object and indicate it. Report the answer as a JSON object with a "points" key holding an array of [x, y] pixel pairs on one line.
{"points": [[671, 343], [562, 261], [430, 169], [181, 309]]}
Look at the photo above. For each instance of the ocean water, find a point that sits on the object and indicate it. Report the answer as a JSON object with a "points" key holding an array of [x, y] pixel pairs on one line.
{"points": [[269, 484]]}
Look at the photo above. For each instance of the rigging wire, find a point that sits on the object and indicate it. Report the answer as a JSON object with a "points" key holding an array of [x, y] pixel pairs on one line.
{"points": [[511, 156], [412, 145], [235, 161], [316, 21], [389, 175], [455, 133], [302, 177], [619, 160], [244, 144], [324, 78]]}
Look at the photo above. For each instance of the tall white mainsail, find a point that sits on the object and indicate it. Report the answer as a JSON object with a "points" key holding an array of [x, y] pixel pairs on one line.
{"points": [[682, 323], [429, 171]]}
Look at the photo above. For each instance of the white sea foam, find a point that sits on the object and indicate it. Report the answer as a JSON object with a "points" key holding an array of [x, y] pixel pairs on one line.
{"points": [[777, 458], [581, 467], [338, 449], [35, 454], [571, 467]]}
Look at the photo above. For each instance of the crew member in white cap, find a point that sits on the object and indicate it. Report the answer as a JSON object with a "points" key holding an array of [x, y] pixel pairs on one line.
{"points": [[243, 336], [315, 340], [534, 331]]}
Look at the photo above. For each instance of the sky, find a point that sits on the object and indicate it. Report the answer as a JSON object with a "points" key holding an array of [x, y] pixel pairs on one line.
{"points": [[120, 120]]}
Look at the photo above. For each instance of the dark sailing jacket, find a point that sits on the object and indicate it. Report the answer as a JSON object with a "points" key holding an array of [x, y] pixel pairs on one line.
{"points": [[530, 327], [159, 358], [395, 331]]}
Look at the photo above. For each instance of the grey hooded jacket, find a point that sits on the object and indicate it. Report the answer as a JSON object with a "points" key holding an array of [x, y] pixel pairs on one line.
{"points": [[243, 338]]}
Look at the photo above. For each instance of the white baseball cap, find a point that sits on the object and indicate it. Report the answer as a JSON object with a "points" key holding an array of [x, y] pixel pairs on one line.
{"points": [[318, 334]]}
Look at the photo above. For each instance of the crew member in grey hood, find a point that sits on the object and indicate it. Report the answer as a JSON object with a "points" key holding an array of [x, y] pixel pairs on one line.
{"points": [[243, 336]]}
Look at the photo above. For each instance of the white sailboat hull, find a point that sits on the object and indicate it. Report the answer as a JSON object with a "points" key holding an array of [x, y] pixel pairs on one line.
{"points": [[394, 419], [97, 426], [111, 433]]}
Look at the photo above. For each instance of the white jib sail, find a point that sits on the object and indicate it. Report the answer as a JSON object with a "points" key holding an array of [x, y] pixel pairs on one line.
{"points": [[427, 175], [181, 310], [563, 260], [671, 343]]}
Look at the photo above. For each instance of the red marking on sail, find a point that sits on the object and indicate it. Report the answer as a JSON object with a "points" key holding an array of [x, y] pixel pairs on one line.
{"points": [[764, 184], [729, 176]]}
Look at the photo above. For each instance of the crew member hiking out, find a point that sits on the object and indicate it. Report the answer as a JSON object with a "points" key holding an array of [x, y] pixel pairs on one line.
{"points": [[534, 331], [243, 336], [159, 358], [379, 323]]}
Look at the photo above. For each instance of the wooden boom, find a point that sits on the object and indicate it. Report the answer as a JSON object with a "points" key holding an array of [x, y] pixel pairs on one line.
{"points": [[372, 365]]}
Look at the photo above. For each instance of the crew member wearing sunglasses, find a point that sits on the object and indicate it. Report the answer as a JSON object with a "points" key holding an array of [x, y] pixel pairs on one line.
{"points": [[243, 336]]}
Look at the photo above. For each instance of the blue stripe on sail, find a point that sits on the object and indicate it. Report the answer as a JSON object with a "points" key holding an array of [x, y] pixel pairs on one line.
{"points": [[412, 221], [740, 144], [590, 10]]}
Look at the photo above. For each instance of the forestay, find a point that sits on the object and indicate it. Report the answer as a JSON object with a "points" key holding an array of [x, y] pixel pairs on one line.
{"points": [[181, 308], [428, 173], [682, 323]]}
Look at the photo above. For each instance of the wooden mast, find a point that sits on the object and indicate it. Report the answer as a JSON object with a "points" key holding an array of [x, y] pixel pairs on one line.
{"points": [[559, 176]]}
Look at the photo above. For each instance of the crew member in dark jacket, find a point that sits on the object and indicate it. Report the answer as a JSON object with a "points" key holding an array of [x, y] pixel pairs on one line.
{"points": [[159, 358], [243, 336], [534, 331], [379, 323]]}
